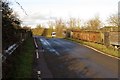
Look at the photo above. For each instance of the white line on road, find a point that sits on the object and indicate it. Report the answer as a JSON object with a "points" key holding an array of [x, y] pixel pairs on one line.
{"points": [[35, 43], [50, 48], [37, 54], [102, 52], [39, 73]]}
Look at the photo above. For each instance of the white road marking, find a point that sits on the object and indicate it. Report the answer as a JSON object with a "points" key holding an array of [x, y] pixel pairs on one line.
{"points": [[102, 52], [38, 72], [35, 43], [37, 54], [45, 42], [53, 50]]}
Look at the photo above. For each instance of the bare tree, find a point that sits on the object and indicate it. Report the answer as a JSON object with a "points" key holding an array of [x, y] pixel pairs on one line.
{"points": [[78, 24], [51, 25], [74, 23], [94, 23], [113, 20], [39, 26], [59, 27]]}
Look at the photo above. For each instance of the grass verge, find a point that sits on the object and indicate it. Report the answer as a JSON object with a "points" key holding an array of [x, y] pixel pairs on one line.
{"points": [[23, 61], [100, 47]]}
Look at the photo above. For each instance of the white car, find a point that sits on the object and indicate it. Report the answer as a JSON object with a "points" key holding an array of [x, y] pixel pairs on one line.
{"points": [[53, 34]]}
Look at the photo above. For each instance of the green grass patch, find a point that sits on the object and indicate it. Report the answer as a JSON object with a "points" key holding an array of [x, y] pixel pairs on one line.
{"points": [[100, 47], [23, 61]]}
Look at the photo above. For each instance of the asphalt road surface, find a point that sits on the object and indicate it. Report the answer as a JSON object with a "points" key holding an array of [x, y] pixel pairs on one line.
{"points": [[77, 59]]}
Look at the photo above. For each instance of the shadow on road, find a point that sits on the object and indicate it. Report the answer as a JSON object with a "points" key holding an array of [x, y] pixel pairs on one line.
{"points": [[66, 66]]}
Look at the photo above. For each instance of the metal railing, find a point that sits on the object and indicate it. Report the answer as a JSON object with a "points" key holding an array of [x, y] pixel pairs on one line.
{"points": [[10, 50]]}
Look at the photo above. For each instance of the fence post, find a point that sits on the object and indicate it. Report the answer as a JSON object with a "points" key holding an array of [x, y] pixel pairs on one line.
{"points": [[106, 39]]}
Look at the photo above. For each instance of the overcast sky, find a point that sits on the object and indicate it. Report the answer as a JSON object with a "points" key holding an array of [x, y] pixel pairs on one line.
{"points": [[42, 11]]}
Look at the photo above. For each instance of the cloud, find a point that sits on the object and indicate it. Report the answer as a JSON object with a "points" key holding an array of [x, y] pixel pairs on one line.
{"points": [[42, 11], [37, 18]]}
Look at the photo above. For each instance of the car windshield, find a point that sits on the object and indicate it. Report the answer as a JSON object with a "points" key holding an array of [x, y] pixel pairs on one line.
{"points": [[54, 33]]}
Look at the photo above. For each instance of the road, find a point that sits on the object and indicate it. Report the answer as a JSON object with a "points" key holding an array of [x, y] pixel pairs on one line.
{"points": [[70, 60]]}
